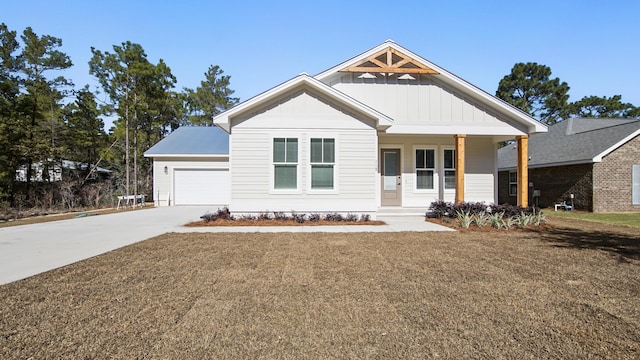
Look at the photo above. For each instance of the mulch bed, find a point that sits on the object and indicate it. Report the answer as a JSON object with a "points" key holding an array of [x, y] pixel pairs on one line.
{"points": [[275, 222]]}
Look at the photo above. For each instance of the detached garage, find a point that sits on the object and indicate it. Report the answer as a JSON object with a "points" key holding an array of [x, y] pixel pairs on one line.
{"points": [[191, 167]]}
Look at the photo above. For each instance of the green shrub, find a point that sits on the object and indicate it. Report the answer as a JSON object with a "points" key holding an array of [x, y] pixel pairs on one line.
{"points": [[463, 218], [482, 219]]}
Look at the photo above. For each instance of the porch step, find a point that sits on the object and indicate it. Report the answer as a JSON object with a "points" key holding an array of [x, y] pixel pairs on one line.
{"points": [[401, 211]]}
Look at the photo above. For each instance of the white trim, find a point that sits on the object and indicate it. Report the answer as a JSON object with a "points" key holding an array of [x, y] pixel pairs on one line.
{"points": [[379, 172], [213, 156], [598, 158], [223, 120], [442, 168], [452, 130], [336, 160], [436, 173], [523, 118], [272, 189]]}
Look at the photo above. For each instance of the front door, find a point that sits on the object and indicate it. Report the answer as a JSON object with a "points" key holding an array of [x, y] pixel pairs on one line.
{"points": [[391, 177]]}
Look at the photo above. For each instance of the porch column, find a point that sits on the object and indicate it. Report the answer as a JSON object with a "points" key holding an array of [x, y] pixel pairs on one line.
{"points": [[459, 167], [523, 170]]}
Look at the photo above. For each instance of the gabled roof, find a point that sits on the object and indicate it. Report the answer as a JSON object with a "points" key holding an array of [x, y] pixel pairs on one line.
{"points": [[193, 141], [401, 60], [573, 141], [302, 80]]}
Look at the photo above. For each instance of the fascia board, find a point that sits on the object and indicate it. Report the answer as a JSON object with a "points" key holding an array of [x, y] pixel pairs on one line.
{"points": [[213, 156], [547, 165], [223, 119], [452, 130], [598, 158]]}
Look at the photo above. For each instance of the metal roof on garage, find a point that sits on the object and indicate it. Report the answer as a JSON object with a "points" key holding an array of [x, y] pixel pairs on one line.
{"points": [[192, 140]]}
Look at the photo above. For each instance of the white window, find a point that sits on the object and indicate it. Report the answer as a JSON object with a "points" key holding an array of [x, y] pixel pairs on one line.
{"points": [[285, 163], [513, 183], [322, 163], [449, 168], [635, 188], [425, 169]]}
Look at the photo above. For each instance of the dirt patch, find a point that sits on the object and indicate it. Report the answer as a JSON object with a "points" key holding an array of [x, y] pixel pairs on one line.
{"points": [[570, 292], [276, 222]]}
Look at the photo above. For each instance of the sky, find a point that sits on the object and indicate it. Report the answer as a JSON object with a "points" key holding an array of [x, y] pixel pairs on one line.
{"points": [[592, 45]]}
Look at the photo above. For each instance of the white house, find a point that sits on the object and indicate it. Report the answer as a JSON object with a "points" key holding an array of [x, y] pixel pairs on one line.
{"points": [[385, 129]]}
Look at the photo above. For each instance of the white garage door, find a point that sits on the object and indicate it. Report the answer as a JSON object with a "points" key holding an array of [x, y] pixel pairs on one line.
{"points": [[201, 187]]}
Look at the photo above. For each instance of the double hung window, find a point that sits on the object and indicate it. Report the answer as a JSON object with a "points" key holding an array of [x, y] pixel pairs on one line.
{"points": [[322, 163], [425, 169], [285, 163], [513, 183], [449, 168]]}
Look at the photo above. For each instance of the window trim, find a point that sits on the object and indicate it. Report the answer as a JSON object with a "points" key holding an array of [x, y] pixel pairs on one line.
{"points": [[309, 164], [514, 193], [436, 172], [443, 169], [635, 185], [272, 171]]}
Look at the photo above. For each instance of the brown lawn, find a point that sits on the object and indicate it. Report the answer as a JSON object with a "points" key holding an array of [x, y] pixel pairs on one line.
{"points": [[569, 292]]}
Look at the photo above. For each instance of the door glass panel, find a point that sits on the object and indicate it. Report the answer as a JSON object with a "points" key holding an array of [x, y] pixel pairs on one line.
{"points": [[390, 172]]}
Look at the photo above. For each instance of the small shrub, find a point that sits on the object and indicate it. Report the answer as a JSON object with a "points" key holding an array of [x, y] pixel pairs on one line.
{"points": [[299, 218], [279, 215], [264, 216], [509, 222], [539, 218], [365, 218], [463, 218], [221, 214], [513, 210], [248, 217], [314, 217], [523, 220], [482, 219], [351, 217], [440, 209], [472, 208], [333, 217], [496, 220], [207, 216]]}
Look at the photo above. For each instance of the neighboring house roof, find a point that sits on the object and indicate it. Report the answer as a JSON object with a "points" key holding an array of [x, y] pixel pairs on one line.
{"points": [[302, 80], [192, 141], [573, 141], [73, 165], [54, 169], [425, 66]]}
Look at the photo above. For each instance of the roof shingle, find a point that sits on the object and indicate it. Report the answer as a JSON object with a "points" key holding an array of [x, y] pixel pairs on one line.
{"points": [[572, 141]]}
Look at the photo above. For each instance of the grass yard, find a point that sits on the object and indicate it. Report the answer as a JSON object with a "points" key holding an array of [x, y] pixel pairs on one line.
{"points": [[626, 219], [570, 292]]}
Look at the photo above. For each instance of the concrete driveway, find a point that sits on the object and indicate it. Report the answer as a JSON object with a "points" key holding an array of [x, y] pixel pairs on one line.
{"points": [[28, 250]]}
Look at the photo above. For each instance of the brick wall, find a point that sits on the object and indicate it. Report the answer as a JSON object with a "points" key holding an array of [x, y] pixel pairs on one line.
{"points": [[612, 179], [555, 185]]}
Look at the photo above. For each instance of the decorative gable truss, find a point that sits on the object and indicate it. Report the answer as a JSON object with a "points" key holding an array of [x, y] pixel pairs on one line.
{"points": [[389, 61]]}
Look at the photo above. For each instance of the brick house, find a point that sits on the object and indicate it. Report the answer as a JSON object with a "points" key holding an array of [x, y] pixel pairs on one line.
{"points": [[596, 160]]}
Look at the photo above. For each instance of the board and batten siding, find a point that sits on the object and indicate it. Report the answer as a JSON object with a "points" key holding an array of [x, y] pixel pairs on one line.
{"points": [[423, 101], [163, 183], [303, 115], [479, 173]]}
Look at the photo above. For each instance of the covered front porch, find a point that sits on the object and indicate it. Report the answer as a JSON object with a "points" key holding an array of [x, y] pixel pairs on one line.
{"points": [[416, 170]]}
